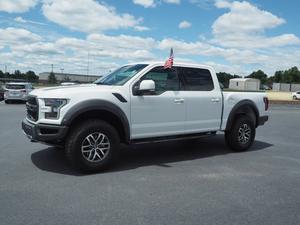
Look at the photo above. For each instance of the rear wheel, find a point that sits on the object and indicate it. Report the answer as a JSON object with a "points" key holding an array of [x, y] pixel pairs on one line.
{"points": [[92, 146], [295, 97], [241, 135], [7, 101]]}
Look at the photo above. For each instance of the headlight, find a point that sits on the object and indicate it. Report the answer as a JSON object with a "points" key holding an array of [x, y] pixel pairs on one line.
{"points": [[52, 107]]}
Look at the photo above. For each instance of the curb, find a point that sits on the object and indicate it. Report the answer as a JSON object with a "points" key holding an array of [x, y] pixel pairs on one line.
{"points": [[291, 102]]}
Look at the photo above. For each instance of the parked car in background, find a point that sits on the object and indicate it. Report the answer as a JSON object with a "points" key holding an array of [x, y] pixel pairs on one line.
{"points": [[17, 92], [296, 95], [1, 92]]}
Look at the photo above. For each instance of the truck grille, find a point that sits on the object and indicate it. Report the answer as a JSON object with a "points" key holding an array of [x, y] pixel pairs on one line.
{"points": [[32, 108]]}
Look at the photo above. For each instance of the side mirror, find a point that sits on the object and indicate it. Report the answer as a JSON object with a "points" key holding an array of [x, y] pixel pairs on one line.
{"points": [[146, 86]]}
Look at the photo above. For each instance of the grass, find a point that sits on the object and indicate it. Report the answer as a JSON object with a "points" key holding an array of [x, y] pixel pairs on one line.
{"points": [[279, 96]]}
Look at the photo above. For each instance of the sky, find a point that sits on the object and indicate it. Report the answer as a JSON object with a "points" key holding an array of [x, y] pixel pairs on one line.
{"points": [[95, 37]]}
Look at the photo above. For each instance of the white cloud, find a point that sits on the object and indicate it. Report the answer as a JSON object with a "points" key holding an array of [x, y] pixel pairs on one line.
{"points": [[19, 19], [121, 42], [16, 36], [39, 48], [17, 6], [233, 69], [154, 3], [35, 53], [87, 15], [145, 3], [184, 24], [244, 17], [172, 1], [244, 26], [141, 28]]}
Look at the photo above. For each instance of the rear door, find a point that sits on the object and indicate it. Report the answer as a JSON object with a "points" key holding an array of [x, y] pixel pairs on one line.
{"points": [[203, 100]]}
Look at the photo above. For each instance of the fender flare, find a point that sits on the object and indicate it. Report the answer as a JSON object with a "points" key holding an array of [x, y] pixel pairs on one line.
{"points": [[96, 104], [240, 108]]}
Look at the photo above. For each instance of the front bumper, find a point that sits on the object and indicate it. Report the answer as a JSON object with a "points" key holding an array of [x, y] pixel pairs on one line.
{"points": [[17, 97], [262, 120], [52, 134]]}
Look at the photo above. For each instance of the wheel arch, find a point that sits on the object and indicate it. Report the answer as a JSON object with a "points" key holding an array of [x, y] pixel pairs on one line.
{"points": [[245, 107], [101, 109]]}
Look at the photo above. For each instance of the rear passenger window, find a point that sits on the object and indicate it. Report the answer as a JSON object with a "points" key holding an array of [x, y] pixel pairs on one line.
{"points": [[195, 79]]}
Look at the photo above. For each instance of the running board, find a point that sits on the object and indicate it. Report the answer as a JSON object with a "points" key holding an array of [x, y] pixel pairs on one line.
{"points": [[172, 138]]}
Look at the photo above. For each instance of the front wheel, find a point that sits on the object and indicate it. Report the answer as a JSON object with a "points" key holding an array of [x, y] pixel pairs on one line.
{"points": [[92, 146], [241, 135]]}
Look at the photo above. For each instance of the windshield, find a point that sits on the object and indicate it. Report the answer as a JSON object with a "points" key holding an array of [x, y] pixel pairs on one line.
{"points": [[15, 86], [121, 75]]}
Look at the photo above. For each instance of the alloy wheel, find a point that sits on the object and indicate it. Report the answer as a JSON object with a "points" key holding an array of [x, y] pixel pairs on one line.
{"points": [[95, 147]]}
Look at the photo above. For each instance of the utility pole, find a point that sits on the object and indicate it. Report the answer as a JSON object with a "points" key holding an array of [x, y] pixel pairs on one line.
{"points": [[51, 68], [88, 66], [5, 68], [62, 73]]}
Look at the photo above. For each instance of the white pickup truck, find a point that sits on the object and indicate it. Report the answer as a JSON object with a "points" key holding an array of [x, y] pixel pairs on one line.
{"points": [[140, 103]]}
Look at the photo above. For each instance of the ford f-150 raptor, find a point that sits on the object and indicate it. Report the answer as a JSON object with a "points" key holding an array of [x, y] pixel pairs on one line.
{"points": [[137, 103]]}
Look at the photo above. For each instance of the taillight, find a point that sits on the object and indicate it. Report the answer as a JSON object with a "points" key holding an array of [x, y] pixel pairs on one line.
{"points": [[266, 101]]}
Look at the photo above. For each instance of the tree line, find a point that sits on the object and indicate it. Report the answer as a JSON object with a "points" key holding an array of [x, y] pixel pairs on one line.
{"points": [[29, 76], [291, 76]]}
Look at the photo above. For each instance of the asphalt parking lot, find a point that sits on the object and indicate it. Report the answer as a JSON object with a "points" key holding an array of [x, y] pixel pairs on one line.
{"points": [[199, 182]]}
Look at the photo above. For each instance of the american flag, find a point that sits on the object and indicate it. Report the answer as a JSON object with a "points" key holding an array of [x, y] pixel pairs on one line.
{"points": [[169, 62]]}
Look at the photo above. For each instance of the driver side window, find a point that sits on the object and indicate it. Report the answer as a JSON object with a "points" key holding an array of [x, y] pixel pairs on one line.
{"points": [[165, 79]]}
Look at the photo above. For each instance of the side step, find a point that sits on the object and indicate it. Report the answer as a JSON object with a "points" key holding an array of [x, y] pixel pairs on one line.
{"points": [[172, 138]]}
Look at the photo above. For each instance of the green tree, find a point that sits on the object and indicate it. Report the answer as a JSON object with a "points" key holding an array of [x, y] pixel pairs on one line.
{"points": [[17, 75], [292, 75], [31, 76], [52, 79], [225, 77], [260, 75], [278, 76]]}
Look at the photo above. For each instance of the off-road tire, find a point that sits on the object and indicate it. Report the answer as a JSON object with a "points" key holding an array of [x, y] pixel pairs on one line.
{"points": [[74, 142], [232, 136]]}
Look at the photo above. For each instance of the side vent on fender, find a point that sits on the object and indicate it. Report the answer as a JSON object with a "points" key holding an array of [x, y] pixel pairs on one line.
{"points": [[120, 97]]}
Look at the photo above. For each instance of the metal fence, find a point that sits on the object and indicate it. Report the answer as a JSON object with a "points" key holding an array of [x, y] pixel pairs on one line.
{"points": [[286, 87]]}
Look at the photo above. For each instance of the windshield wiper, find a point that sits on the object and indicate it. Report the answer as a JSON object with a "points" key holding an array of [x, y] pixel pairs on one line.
{"points": [[102, 83]]}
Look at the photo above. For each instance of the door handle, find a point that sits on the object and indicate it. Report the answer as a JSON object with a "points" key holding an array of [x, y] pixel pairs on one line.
{"points": [[179, 100], [215, 99]]}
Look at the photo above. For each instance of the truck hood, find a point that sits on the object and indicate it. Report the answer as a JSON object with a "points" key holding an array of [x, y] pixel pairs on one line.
{"points": [[69, 91]]}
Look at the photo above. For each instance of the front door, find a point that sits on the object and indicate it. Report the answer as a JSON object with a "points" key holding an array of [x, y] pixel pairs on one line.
{"points": [[159, 113]]}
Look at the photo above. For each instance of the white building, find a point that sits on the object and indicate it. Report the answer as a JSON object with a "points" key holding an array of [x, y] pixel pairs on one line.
{"points": [[248, 84], [62, 77]]}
